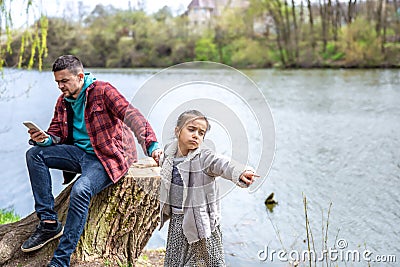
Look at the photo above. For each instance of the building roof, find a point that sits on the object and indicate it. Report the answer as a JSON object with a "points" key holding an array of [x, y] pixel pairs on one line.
{"points": [[218, 4], [201, 4]]}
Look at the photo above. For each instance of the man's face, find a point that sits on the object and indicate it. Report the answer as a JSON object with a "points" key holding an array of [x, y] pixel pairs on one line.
{"points": [[70, 84]]}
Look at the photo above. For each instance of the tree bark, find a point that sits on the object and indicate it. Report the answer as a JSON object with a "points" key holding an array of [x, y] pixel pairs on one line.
{"points": [[378, 26], [334, 21], [397, 20], [337, 20], [276, 12], [384, 25], [296, 33], [288, 38], [311, 20], [120, 222], [324, 23], [302, 20]]}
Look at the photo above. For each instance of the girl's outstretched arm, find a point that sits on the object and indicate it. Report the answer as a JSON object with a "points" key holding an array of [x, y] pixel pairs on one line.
{"points": [[217, 165]]}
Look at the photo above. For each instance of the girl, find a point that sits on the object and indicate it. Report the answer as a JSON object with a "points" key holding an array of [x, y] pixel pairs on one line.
{"points": [[189, 194]]}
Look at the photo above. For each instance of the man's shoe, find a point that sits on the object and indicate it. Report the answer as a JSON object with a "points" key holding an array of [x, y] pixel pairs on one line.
{"points": [[41, 237]]}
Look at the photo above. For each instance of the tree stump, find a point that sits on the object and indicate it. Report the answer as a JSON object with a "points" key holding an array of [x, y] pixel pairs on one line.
{"points": [[120, 222]]}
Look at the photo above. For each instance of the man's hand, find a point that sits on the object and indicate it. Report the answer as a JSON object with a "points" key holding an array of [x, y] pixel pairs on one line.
{"points": [[38, 136], [156, 155]]}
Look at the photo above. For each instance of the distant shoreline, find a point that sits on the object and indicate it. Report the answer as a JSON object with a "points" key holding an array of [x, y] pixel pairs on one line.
{"points": [[313, 67]]}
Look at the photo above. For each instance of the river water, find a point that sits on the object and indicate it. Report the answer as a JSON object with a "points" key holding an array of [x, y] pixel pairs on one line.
{"points": [[337, 135]]}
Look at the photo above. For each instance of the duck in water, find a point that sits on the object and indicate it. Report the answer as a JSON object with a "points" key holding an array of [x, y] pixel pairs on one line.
{"points": [[270, 202]]}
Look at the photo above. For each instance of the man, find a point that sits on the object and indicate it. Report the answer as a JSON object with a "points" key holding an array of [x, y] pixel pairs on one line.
{"points": [[89, 134]]}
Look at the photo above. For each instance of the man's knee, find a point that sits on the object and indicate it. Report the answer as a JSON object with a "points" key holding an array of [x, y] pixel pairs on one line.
{"points": [[33, 152], [81, 190]]}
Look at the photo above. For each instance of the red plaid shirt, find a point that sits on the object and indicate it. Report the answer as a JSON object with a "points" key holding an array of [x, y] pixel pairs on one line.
{"points": [[109, 120]]}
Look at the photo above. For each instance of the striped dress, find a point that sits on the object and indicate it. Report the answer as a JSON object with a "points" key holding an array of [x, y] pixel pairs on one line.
{"points": [[179, 253]]}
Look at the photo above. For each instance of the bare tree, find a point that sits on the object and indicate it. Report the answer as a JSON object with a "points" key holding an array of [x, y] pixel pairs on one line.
{"points": [[311, 21], [351, 11], [336, 20], [379, 17], [397, 27], [324, 23], [301, 20], [281, 30], [296, 32], [288, 38], [384, 24]]}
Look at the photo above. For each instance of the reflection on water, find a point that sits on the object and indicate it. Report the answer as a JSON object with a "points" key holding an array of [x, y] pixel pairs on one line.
{"points": [[336, 141]]}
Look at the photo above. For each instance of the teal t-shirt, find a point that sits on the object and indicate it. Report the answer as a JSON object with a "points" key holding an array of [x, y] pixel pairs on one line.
{"points": [[80, 135]]}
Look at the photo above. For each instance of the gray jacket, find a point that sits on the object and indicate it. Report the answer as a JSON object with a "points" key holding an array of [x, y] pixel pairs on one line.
{"points": [[201, 205]]}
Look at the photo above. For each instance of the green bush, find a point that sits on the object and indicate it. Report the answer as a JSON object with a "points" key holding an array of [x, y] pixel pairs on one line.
{"points": [[360, 44], [332, 52], [206, 50], [249, 53], [8, 216]]}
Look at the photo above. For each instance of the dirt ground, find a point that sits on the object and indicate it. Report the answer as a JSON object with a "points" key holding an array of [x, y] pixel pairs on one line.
{"points": [[154, 258], [149, 258]]}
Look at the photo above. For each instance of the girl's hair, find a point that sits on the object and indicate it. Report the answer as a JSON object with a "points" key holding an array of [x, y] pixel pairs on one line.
{"points": [[191, 115], [69, 62]]}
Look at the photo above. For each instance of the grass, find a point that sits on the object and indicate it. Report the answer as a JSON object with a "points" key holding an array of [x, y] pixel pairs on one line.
{"points": [[8, 216], [311, 251]]}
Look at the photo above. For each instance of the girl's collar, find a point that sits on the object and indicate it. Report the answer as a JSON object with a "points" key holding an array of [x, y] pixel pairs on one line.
{"points": [[170, 150]]}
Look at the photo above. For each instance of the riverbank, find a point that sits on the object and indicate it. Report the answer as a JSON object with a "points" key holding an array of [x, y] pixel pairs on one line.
{"points": [[151, 257], [148, 258]]}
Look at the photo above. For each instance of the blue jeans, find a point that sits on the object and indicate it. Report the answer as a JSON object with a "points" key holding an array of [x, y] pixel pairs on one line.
{"points": [[93, 179]]}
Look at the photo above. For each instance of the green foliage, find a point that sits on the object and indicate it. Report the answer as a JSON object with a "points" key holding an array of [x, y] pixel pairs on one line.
{"points": [[249, 53], [233, 24], [182, 52], [332, 53], [32, 46], [360, 44], [206, 50], [8, 216], [392, 51], [109, 37], [163, 15]]}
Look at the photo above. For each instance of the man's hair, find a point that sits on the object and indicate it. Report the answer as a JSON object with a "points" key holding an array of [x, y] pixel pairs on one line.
{"points": [[69, 62]]}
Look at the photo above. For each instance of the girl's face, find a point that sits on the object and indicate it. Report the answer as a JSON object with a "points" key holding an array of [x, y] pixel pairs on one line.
{"points": [[190, 136]]}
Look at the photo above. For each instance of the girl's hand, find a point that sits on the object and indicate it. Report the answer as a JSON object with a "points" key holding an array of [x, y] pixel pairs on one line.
{"points": [[248, 177], [156, 155]]}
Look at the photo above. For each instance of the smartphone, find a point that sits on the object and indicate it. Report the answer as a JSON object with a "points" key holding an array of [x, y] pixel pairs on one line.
{"points": [[32, 125]]}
